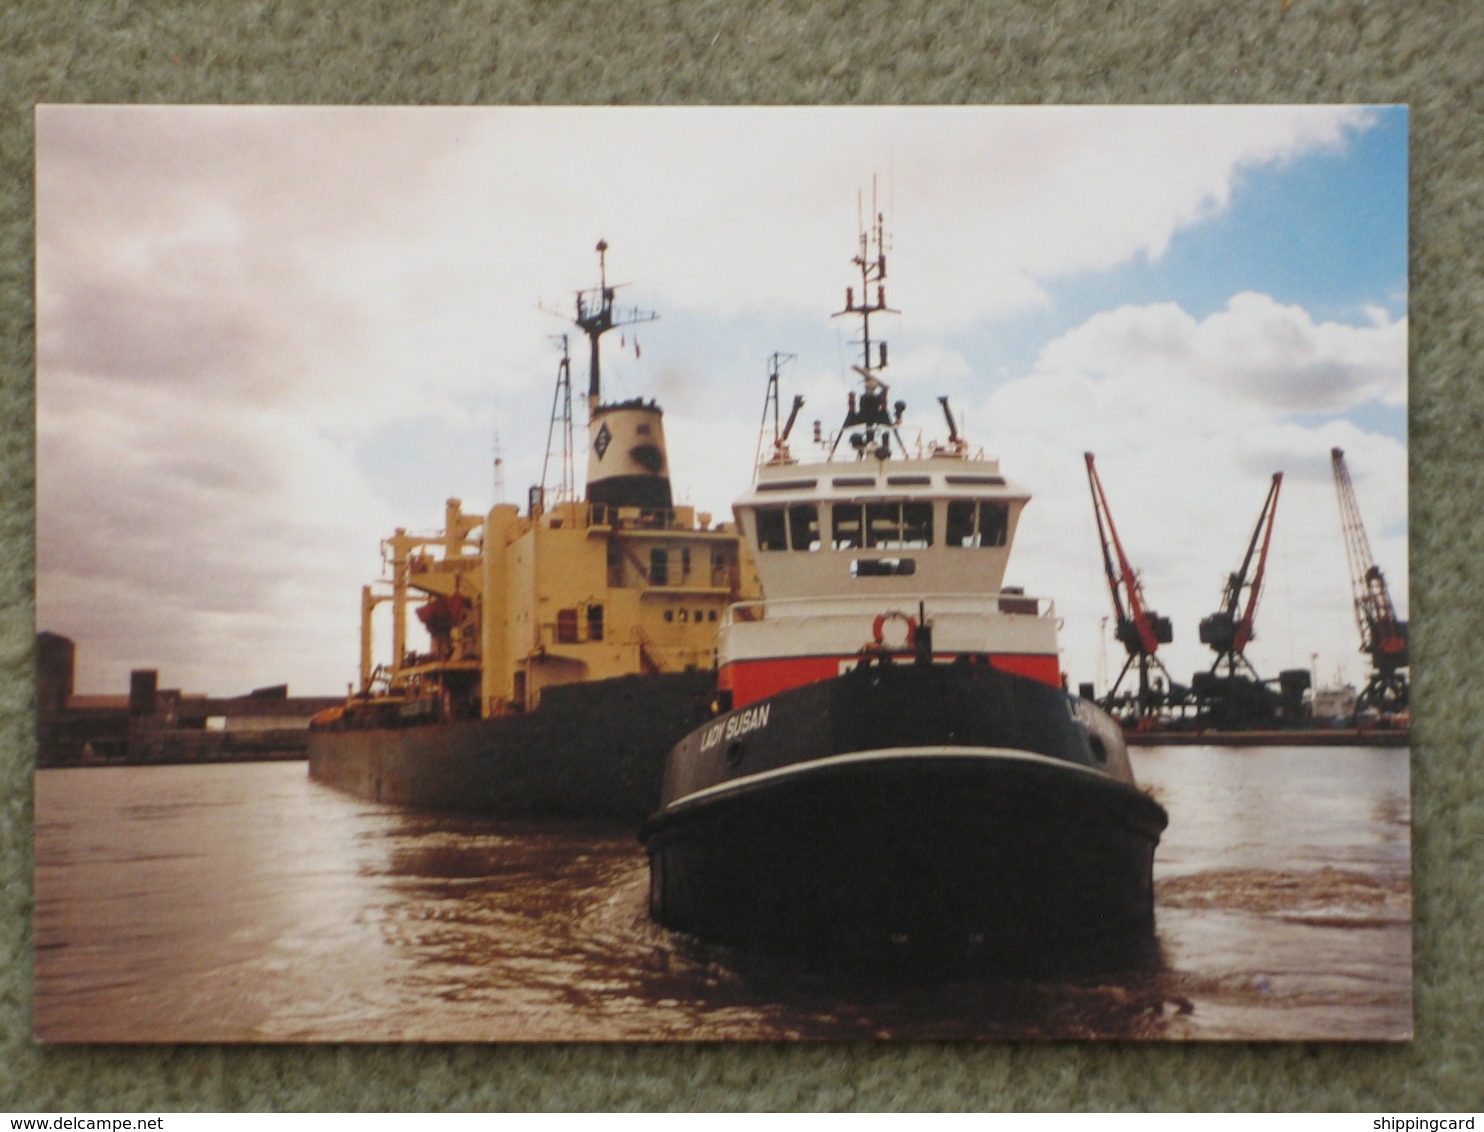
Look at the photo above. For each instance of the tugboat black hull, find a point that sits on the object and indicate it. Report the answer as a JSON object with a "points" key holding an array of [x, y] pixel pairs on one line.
{"points": [[1001, 836]]}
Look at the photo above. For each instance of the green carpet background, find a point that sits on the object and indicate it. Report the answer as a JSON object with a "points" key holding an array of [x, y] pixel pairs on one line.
{"points": [[1427, 55]]}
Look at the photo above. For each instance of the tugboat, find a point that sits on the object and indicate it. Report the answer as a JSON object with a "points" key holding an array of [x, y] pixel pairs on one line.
{"points": [[569, 647], [895, 767]]}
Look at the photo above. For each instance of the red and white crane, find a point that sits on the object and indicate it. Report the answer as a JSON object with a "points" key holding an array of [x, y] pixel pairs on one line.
{"points": [[1229, 630], [1382, 637], [1140, 630]]}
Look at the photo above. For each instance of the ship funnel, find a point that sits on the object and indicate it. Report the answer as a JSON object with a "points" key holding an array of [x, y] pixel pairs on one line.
{"points": [[627, 463]]}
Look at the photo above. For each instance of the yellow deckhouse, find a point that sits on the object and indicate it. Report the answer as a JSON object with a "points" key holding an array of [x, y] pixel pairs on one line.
{"points": [[621, 582], [582, 591]]}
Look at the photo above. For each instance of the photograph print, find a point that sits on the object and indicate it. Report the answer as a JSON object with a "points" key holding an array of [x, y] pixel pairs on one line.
{"points": [[552, 574]]}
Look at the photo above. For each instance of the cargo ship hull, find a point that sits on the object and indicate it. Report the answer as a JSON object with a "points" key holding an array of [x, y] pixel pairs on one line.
{"points": [[594, 750]]}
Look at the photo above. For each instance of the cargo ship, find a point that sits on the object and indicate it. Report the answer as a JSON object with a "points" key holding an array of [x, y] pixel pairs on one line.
{"points": [[568, 646], [896, 767]]}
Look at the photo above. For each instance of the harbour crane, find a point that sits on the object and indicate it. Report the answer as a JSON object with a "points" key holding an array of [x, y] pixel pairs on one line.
{"points": [[1138, 628], [1382, 637], [1230, 628], [1231, 695]]}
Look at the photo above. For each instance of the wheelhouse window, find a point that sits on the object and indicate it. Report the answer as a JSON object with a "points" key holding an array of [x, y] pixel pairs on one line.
{"points": [[899, 525], [803, 526], [772, 534], [917, 525], [845, 523], [977, 523], [893, 525]]}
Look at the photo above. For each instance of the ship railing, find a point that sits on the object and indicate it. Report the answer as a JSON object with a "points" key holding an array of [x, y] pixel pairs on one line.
{"points": [[1009, 604]]}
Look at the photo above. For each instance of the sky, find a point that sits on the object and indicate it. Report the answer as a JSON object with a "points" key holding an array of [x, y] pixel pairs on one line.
{"points": [[266, 337]]}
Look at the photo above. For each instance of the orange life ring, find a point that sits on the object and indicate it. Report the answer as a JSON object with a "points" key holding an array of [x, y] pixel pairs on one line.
{"points": [[894, 615]]}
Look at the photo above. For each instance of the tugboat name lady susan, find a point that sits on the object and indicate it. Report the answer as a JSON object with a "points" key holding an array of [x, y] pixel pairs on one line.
{"points": [[895, 767]]}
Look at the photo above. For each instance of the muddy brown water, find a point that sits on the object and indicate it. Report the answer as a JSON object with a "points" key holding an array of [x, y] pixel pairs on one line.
{"points": [[246, 903]]}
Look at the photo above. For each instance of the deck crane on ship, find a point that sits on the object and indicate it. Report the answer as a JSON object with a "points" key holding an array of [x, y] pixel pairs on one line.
{"points": [[776, 450], [1138, 628], [1383, 637]]}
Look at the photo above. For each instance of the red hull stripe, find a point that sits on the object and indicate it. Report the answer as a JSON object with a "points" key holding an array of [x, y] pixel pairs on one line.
{"points": [[752, 680]]}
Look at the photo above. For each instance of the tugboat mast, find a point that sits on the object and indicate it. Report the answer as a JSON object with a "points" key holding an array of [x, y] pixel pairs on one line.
{"points": [[872, 264], [871, 409]]}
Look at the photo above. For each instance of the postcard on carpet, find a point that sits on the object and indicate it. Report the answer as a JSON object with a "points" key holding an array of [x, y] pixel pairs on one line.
{"points": [[722, 573]]}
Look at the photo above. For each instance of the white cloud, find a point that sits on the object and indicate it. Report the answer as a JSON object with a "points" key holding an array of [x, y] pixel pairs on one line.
{"points": [[239, 308], [1255, 351], [1189, 420]]}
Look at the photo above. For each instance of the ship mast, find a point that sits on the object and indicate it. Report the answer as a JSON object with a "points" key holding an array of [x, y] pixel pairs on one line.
{"points": [[870, 410], [627, 465], [560, 429], [595, 317]]}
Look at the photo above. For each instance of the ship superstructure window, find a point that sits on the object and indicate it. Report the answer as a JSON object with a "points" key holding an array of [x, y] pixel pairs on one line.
{"points": [[883, 567], [845, 523], [721, 566], [772, 534], [659, 567], [803, 526], [595, 622], [890, 525], [981, 523]]}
